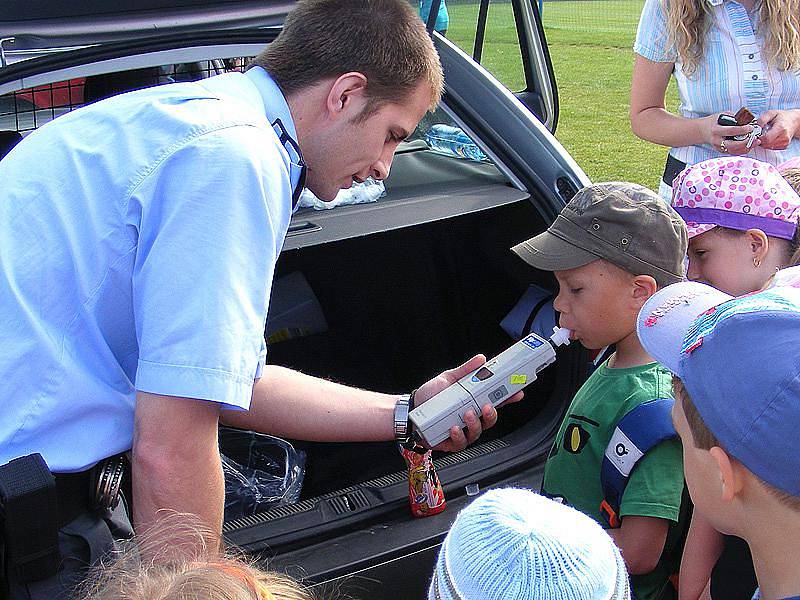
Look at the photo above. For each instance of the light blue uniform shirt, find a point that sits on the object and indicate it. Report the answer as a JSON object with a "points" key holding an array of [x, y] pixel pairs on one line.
{"points": [[138, 239], [732, 73]]}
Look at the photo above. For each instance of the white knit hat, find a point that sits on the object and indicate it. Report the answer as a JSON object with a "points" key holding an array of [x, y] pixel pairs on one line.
{"points": [[514, 544]]}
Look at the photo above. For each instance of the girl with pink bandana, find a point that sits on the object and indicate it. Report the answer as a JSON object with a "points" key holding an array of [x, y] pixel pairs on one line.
{"points": [[742, 220], [742, 217]]}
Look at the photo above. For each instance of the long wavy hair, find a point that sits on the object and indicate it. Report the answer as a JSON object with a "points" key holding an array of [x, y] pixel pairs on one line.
{"points": [[688, 22]]}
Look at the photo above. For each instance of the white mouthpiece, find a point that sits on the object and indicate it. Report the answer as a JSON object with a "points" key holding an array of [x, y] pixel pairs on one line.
{"points": [[560, 336]]}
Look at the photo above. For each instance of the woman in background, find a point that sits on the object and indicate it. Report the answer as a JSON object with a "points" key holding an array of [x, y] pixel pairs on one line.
{"points": [[725, 55]]}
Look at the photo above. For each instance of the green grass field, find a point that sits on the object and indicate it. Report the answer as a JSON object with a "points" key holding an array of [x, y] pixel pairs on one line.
{"points": [[590, 44]]}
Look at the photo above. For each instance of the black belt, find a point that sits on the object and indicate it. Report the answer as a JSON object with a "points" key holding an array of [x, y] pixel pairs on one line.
{"points": [[672, 169], [35, 504]]}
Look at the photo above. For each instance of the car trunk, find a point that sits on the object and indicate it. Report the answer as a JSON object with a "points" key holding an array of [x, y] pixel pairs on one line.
{"points": [[402, 306], [409, 286]]}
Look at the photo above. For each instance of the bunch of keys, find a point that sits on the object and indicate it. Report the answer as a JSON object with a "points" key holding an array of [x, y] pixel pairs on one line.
{"points": [[742, 117]]}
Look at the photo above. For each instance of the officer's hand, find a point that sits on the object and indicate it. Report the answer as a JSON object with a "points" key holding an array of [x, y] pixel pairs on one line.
{"points": [[460, 438]]}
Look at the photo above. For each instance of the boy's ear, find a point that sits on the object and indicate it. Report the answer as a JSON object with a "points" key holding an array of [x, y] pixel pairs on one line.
{"points": [[730, 473], [644, 286]]}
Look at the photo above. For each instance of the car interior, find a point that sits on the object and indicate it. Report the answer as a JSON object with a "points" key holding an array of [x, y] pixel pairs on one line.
{"points": [[408, 286]]}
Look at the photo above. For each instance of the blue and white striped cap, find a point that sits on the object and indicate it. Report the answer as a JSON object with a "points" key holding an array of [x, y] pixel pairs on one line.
{"points": [[738, 359], [513, 543]]}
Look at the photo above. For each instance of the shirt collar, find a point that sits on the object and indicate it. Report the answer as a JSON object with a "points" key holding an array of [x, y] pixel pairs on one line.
{"points": [[275, 105], [715, 2], [280, 117]]}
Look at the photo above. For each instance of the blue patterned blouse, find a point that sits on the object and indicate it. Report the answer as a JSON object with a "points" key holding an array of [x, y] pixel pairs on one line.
{"points": [[731, 74]]}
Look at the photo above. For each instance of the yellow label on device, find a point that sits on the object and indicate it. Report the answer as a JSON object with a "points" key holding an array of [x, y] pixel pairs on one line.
{"points": [[519, 379]]}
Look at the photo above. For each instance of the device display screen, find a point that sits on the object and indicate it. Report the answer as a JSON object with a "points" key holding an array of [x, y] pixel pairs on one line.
{"points": [[483, 374]]}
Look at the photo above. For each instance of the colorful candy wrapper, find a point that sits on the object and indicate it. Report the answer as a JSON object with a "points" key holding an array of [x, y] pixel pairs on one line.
{"points": [[425, 494]]}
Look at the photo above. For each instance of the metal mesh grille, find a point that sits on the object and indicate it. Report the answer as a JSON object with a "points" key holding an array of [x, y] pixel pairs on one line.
{"points": [[28, 109]]}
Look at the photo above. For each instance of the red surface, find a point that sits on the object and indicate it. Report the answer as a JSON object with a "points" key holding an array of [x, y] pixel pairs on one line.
{"points": [[63, 93]]}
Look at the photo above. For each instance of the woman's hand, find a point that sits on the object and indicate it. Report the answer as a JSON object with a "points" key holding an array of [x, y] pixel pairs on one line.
{"points": [[715, 134], [651, 121], [780, 126]]}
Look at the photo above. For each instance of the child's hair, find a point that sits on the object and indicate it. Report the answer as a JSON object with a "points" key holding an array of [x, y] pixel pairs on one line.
{"points": [[704, 439], [206, 575], [792, 175]]}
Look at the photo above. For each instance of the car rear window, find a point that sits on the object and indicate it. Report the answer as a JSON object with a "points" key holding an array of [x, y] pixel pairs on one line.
{"points": [[25, 110]]}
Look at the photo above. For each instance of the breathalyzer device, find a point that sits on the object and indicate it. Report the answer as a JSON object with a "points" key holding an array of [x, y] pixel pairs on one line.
{"points": [[494, 382]]}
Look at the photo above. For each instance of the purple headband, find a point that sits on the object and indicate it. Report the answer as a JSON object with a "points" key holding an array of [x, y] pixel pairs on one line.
{"points": [[738, 220]]}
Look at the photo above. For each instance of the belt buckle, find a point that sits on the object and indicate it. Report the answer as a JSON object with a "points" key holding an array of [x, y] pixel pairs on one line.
{"points": [[107, 480]]}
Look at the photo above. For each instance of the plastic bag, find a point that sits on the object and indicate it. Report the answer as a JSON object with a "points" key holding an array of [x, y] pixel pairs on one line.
{"points": [[359, 193], [261, 471]]}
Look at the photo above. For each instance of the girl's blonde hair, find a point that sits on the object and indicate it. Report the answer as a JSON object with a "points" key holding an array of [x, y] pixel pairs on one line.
{"points": [[688, 22], [169, 575], [792, 175]]}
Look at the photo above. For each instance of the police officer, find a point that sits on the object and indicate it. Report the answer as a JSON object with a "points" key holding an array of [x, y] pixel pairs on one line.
{"points": [[138, 240]]}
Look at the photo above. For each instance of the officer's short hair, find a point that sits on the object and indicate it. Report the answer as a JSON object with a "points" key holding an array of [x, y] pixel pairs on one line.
{"points": [[383, 39]]}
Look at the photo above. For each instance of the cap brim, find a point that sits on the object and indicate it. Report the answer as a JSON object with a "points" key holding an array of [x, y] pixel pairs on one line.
{"points": [[549, 252], [666, 317]]}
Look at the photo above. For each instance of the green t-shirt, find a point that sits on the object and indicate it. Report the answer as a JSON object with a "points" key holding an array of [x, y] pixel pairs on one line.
{"points": [[573, 467]]}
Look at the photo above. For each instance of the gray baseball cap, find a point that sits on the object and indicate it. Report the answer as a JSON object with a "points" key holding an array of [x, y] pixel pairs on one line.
{"points": [[624, 223]]}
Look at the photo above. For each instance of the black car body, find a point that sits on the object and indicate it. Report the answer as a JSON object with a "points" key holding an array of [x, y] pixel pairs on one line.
{"points": [[410, 285]]}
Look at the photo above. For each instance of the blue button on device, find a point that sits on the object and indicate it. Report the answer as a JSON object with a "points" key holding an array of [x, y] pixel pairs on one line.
{"points": [[532, 341]]}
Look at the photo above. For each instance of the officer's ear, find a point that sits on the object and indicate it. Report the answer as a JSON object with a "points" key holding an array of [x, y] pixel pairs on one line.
{"points": [[347, 95]]}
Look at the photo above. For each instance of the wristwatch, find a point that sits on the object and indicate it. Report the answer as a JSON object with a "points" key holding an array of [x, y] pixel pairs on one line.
{"points": [[402, 426]]}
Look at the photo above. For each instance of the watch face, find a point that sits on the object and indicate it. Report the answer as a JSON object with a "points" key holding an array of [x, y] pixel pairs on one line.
{"points": [[401, 425]]}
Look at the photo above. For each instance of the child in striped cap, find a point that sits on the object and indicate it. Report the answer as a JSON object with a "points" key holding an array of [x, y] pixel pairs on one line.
{"points": [[513, 544], [741, 215]]}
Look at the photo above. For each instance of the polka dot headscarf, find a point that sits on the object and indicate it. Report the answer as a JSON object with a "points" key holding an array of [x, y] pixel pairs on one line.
{"points": [[736, 192]]}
